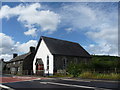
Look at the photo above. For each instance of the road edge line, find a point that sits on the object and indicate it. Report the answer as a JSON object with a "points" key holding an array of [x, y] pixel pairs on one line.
{"points": [[6, 87]]}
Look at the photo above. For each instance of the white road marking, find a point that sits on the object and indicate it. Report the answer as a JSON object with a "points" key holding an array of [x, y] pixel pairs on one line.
{"points": [[70, 85], [76, 80], [6, 87], [43, 82], [66, 84]]}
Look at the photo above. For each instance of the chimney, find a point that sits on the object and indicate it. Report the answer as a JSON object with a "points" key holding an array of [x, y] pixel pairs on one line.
{"points": [[32, 49], [15, 55]]}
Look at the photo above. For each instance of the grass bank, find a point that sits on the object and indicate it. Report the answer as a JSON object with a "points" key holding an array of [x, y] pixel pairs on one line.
{"points": [[89, 75]]}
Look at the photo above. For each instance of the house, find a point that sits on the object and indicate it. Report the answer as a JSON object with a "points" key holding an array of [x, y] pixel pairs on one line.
{"points": [[53, 55], [21, 64]]}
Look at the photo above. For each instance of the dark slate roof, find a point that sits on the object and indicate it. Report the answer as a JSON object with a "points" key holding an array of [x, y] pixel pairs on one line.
{"points": [[63, 47], [21, 57]]}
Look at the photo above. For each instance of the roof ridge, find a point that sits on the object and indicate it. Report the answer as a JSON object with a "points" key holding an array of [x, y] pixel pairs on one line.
{"points": [[59, 39], [58, 46], [19, 56]]}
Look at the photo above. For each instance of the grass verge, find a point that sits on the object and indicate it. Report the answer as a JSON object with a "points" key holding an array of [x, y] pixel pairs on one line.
{"points": [[89, 75]]}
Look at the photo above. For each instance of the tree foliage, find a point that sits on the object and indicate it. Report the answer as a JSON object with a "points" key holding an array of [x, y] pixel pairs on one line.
{"points": [[98, 63]]}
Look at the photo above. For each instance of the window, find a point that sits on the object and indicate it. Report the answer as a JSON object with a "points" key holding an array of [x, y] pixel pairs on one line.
{"points": [[75, 60], [13, 69], [18, 62], [18, 68], [47, 62], [13, 62], [64, 63]]}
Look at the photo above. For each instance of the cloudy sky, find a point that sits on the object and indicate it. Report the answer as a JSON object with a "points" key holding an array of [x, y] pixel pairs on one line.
{"points": [[93, 25]]}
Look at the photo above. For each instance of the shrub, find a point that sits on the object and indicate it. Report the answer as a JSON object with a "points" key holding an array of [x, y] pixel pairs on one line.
{"points": [[74, 69]]}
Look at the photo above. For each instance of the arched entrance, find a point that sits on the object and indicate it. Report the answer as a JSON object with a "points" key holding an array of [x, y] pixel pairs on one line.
{"points": [[39, 67]]}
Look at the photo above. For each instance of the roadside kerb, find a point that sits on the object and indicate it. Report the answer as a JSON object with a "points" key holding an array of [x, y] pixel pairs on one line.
{"points": [[89, 80]]}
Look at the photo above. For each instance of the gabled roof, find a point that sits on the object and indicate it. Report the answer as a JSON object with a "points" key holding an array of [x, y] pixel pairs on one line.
{"points": [[21, 57], [63, 47]]}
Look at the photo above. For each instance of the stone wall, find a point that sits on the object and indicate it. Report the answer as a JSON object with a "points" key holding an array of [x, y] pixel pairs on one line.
{"points": [[17, 65], [28, 64], [21, 66], [61, 61]]}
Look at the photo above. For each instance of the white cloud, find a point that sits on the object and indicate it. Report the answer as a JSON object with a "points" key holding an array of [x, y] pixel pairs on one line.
{"points": [[68, 29], [24, 47], [100, 26], [31, 32], [102, 49], [6, 57], [31, 16], [8, 46]]}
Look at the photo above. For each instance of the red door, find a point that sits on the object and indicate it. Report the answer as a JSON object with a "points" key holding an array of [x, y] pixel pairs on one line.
{"points": [[40, 69]]}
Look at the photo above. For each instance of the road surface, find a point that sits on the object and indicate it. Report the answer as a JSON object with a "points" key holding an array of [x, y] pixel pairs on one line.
{"points": [[62, 83]]}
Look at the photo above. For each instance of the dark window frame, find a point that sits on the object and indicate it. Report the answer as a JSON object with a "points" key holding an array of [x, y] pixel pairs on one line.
{"points": [[64, 63], [47, 62]]}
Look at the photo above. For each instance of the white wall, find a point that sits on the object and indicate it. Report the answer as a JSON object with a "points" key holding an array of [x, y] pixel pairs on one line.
{"points": [[42, 53]]}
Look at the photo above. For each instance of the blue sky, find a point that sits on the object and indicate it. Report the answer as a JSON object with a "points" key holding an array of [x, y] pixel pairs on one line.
{"points": [[93, 25]]}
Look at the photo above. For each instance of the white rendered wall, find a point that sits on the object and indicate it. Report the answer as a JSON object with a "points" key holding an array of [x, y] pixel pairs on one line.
{"points": [[42, 53]]}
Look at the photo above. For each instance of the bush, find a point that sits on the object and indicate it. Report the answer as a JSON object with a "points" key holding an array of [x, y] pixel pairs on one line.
{"points": [[74, 69]]}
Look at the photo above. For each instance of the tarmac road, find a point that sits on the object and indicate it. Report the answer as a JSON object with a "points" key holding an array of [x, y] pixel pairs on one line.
{"points": [[59, 83]]}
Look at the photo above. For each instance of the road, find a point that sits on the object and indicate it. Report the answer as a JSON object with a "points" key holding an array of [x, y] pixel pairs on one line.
{"points": [[63, 83]]}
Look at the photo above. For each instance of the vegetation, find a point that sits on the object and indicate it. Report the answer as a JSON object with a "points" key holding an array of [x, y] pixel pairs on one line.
{"points": [[105, 63], [74, 69], [100, 67], [90, 75]]}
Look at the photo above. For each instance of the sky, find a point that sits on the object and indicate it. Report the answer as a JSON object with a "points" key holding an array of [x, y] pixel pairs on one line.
{"points": [[94, 25]]}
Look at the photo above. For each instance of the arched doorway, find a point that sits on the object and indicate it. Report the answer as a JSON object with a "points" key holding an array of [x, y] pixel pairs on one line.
{"points": [[39, 67]]}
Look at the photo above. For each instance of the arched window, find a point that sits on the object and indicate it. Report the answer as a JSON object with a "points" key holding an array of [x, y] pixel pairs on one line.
{"points": [[47, 62], [75, 60], [64, 63]]}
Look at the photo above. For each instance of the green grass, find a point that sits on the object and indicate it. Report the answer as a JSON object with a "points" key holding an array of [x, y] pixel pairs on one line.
{"points": [[89, 75]]}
